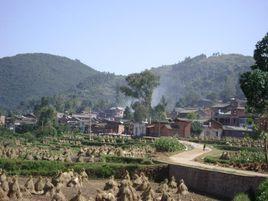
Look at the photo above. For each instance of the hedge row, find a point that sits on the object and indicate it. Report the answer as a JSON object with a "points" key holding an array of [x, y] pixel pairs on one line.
{"points": [[95, 170], [119, 159], [233, 148]]}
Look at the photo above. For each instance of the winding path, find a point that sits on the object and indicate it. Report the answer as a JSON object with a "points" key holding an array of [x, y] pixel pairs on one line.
{"points": [[187, 158]]}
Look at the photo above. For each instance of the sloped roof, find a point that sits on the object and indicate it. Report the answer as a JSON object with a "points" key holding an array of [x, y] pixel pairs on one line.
{"points": [[236, 128]]}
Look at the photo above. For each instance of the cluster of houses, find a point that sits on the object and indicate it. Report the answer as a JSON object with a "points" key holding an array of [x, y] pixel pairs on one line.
{"points": [[16, 122], [228, 120], [220, 120]]}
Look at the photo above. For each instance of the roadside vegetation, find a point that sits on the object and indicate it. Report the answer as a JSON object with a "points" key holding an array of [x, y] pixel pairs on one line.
{"points": [[168, 144], [261, 195]]}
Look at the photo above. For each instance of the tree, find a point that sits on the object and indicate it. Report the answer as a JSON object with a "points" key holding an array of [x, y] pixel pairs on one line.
{"points": [[140, 112], [254, 85], [43, 102], [192, 116], [46, 121], [196, 128], [47, 116], [191, 97], [140, 87], [128, 114], [159, 111], [212, 96]]}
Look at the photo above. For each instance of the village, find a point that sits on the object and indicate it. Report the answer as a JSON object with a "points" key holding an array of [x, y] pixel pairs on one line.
{"points": [[217, 121], [134, 100]]}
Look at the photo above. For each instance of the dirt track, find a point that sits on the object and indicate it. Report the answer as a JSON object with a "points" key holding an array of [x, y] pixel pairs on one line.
{"points": [[187, 158]]}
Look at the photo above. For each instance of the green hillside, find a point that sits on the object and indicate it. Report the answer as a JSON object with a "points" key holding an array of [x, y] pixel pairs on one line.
{"points": [[202, 77], [30, 76], [26, 77]]}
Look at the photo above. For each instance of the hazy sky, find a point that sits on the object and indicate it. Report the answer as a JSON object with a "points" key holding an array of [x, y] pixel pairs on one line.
{"points": [[131, 35]]}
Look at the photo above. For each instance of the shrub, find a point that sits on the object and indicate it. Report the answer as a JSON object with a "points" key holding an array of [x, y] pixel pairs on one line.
{"points": [[168, 144], [241, 197], [214, 160], [196, 128], [147, 161], [262, 193]]}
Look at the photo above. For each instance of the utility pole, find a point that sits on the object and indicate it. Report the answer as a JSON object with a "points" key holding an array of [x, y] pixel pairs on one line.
{"points": [[90, 124], [158, 128], [42, 125]]}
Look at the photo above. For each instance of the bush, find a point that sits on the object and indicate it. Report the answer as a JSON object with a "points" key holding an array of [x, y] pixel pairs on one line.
{"points": [[214, 160], [168, 144], [196, 128], [241, 197], [248, 157], [262, 193]]}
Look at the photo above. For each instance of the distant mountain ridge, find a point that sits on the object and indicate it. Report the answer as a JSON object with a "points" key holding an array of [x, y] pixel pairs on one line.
{"points": [[30, 76], [202, 77]]}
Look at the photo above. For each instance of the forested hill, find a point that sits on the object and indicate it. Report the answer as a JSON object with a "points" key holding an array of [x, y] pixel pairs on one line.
{"points": [[30, 76], [214, 77]]}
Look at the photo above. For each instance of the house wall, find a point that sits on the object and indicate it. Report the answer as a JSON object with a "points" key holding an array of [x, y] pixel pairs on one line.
{"points": [[152, 131], [234, 133], [139, 129], [228, 120], [212, 133], [184, 128], [238, 112], [121, 129], [155, 131], [166, 132], [2, 120]]}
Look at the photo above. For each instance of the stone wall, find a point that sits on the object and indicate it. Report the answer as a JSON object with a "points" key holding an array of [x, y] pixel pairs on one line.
{"points": [[214, 183]]}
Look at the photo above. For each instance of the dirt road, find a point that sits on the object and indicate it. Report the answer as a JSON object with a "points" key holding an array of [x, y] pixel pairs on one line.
{"points": [[187, 158]]}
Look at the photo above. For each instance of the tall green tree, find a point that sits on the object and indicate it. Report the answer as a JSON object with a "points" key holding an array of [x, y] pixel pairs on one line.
{"points": [[46, 121], [47, 116], [254, 84], [128, 114], [140, 86], [196, 128], [140, 112], [159, 111]]}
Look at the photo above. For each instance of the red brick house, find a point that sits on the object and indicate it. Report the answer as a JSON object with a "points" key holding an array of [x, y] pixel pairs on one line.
{"points": [[107, 127], [183, 126], [230, 114], [114, 127], [158, 129]]}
